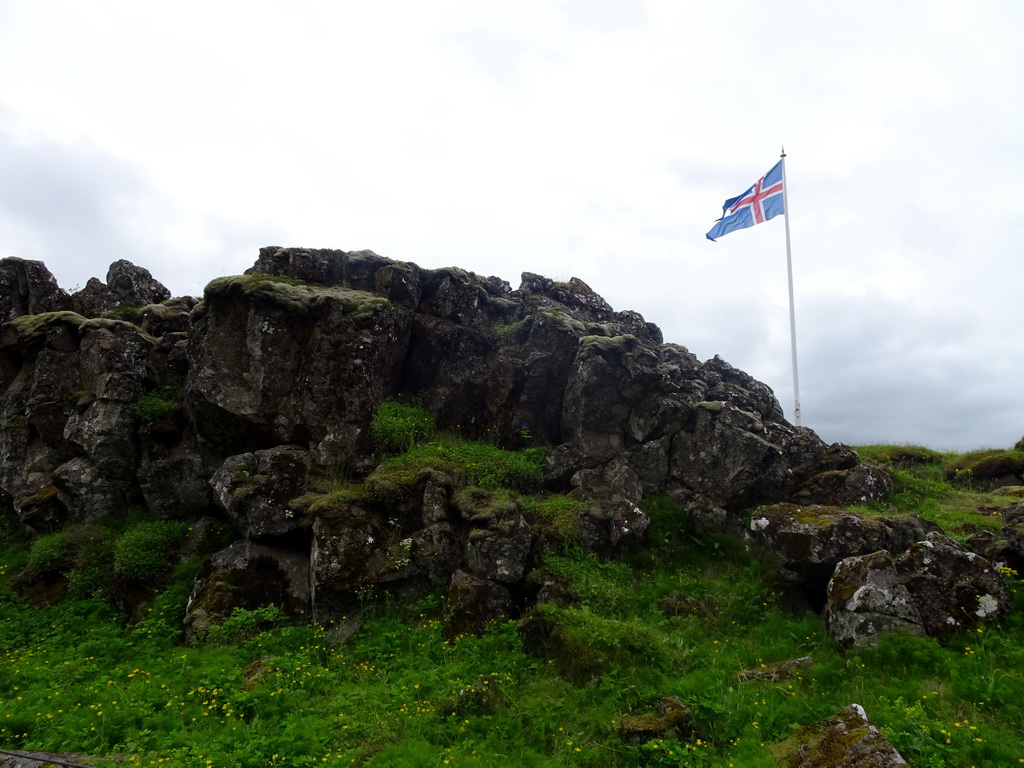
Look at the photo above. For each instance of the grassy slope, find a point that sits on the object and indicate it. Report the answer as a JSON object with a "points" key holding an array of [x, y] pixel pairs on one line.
{"points": [[73, 678]]}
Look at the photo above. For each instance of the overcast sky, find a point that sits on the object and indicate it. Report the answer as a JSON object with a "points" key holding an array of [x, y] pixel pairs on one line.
{"points": [[587, 138]]}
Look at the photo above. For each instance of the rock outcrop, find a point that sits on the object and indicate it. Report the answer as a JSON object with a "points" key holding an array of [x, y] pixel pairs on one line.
{"points": [[234, 407], [127, 286], [28, 288]]}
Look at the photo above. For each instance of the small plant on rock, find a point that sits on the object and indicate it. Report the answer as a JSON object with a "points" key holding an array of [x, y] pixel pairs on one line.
{"points": [[397, 427]]}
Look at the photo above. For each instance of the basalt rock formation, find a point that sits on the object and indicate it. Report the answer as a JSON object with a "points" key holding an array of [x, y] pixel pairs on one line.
{"points": [[119, 400]]}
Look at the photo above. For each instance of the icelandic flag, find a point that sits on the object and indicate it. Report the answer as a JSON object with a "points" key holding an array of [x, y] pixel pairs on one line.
{"points": [[761, 202]]}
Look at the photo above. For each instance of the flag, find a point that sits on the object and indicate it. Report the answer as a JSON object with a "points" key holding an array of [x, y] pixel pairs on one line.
{"points": [[761, 202]]}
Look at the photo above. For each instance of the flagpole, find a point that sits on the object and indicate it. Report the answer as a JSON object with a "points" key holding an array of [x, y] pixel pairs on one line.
{"points": [[792, 313]]}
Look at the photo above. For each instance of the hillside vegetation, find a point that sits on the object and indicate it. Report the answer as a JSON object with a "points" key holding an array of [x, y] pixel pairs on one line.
{"points": [[700, 618]]}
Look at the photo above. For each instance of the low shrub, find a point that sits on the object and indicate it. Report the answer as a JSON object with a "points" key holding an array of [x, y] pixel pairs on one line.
{"points": [[243, 624], [143, 551], [48, 554], [397, 427]]}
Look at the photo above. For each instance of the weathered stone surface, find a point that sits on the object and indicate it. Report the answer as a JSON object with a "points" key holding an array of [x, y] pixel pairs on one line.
{"points": [[866, 597], [500, 553], [250, 576], [355, 550], [853, 485], [1013, 534], [954, 589], [811, 540], [255, 490], [171, 316], [847, 740], [605, 527], [66, 415], [935, 588], [28, 288], [273, 363], [671, 720]]}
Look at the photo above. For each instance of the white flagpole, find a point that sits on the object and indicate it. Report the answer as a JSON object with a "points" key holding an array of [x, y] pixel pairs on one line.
{"points": [[792, 314]]}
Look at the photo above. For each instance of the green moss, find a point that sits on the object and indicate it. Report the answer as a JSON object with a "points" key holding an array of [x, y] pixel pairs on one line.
{"points": [[294, 296], [471, 463], [480, 505], [563, 320], [608, 344], [559, 511], [28, 325], [503, 333]]}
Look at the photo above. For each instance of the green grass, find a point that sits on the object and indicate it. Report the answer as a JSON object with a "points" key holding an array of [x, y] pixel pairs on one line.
{"points": [[471, 463], [261, 692], [928, 488], [399, 426]]}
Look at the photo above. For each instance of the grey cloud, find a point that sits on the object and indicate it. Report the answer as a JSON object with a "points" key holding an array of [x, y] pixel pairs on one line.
{"points": [[67, 205], [876, 370], [78, 209]]}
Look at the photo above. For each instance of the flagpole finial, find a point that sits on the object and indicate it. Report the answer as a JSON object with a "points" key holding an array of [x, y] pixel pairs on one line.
{"points": [[783, 152]]}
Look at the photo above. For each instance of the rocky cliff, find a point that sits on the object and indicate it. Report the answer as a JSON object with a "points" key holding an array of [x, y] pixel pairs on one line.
{"points": [[120, 401]]}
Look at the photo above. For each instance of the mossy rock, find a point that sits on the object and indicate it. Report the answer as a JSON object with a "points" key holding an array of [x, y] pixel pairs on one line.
{"points": [[481, 506], [847, 740], [291, 295]]}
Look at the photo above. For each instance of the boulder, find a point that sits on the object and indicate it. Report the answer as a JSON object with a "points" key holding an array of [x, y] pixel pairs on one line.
{"points": [[954, 589], [500, 553], [171, 316], [935, 588], [355, 551], [67, 414], [853, 485], [846, 740], [866, 597], [1013, 534], [271, 363]]}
